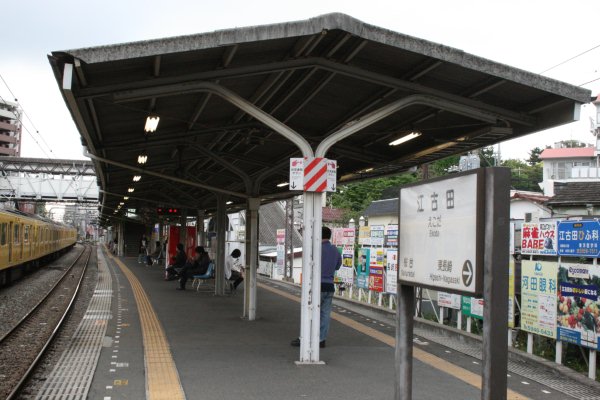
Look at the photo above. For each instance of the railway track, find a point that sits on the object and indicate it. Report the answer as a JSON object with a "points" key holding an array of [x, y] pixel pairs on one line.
{"points": [[22, 347]]}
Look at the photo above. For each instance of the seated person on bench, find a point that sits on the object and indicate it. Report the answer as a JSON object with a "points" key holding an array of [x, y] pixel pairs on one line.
{"points": [[155, 255], [180, 259], [197, 266], [233, 270]]}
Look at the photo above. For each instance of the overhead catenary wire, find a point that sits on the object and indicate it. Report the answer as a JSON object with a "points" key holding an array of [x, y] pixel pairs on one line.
{"points": [[569, 59], [28, 118]]}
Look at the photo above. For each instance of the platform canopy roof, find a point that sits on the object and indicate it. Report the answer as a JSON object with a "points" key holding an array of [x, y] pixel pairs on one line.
{"points": [[316, 77]]}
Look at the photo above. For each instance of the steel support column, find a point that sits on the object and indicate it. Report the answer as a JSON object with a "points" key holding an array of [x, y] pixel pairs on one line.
{"points": [[251, 258], [200, 234], [221, 238]]}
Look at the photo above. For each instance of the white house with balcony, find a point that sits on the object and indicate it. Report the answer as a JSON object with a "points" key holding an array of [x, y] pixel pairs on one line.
{"points": [[564, 165]]}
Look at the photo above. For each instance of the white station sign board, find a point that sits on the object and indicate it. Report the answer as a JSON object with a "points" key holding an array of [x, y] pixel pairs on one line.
{"points": [[441, 234], [313, 174]]}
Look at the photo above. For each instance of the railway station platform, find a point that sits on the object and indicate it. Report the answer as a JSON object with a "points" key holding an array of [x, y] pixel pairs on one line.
{"points": [[162, 343]]}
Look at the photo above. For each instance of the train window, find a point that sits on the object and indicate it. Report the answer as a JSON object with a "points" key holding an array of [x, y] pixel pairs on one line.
{"points": [[3, 233], [17, 236], [26, 233]]}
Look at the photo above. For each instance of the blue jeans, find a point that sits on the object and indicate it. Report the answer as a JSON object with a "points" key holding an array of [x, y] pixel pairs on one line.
{"points": [[326, 300]]}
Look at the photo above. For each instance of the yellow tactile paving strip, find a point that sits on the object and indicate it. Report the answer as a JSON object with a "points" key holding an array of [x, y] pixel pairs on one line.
{"points": [[429, 359], [162, 378]]}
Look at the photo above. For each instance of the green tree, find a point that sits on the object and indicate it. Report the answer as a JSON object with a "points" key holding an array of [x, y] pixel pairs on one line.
{"points": [[534, 156], [356, 197], [524, 176]]}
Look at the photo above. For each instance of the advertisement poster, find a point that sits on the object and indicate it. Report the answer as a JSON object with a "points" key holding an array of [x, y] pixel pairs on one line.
{"points": [[579, 238], [578, 306], [343, 236], [362, 268], [511, 293], [346, 272], [472, 307], [448, 300], [539, 238], [538, 297], [376, 278], [364, 235], [377, 258], [377, 233], [391, 271], [391, 235], [280, 251]]}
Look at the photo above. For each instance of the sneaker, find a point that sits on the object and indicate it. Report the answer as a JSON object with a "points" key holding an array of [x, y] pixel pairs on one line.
{"points": [[295, 342], [322, 344]]}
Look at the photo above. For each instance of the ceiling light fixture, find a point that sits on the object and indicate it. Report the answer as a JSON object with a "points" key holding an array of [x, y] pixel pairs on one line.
{"points": [[151, 123], [229, 202], [136, 178], [405, 138], [283, 184], [130, 190], [142, 158], [126, 198]]}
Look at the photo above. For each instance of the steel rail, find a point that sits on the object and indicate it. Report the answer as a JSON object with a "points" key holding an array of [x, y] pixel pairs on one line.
{"points": [[35, 362]]}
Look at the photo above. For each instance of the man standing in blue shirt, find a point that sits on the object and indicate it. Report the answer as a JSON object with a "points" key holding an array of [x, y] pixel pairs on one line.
{"points": [[331, 261]]}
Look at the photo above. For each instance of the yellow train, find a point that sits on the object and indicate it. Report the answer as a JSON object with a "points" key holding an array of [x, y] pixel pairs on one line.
{"points": [[27, 241]]}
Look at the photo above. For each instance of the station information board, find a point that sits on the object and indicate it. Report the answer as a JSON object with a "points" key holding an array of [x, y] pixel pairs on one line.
{"points": [[441, 234]]}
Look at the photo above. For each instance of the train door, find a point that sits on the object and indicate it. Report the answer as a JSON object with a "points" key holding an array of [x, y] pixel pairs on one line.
{"points": [[17, 242], [4, 243], [10, 244]]}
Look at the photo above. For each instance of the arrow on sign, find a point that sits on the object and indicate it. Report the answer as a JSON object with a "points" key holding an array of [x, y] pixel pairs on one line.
{"points": [[333, 187], [293, 185], [467, 273]]}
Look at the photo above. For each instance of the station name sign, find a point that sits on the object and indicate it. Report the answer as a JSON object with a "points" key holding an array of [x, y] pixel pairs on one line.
{"points": [[441, 233]]}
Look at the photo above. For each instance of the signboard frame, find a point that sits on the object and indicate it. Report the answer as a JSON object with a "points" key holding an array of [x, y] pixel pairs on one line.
{"points": [[479, 232]]}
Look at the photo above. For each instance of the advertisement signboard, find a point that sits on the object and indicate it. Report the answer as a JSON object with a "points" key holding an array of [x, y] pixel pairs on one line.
{"points": [[391, 271], [578, 316], [364, 235], [511, 293], [538, 297], [391, 235], [449, 300], [376, 278], [280, 251], [362, 268], [377, 232], [579, 238], [472, 307], [346, 272], [343, 236], [441, 233], [539, 238]]}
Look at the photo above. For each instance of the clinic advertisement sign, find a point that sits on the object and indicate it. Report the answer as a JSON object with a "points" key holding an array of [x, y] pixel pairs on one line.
{"points": [[391, 271], [579, 238], [538, 297], [539, 238], [441, 233], [578, 306], [346, 272], [362, 268]]}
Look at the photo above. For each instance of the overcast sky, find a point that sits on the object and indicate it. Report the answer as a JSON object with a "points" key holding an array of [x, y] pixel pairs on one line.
{"points": [[532, 35]]}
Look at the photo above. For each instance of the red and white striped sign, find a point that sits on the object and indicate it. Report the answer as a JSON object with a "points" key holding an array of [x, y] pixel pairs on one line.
{"points": [[315, 175]]}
